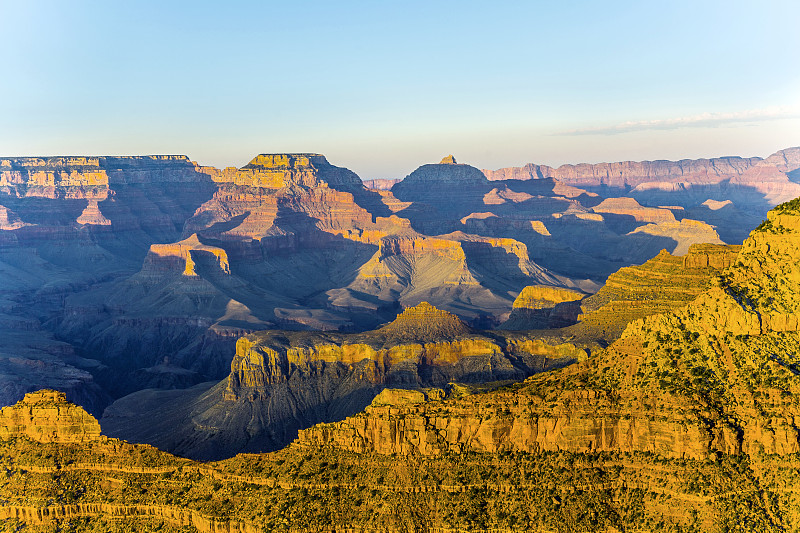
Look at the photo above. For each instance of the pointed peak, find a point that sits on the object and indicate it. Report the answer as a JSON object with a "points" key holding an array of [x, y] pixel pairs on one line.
{"points": [[424, 322], [47, 416], [448, 160]]}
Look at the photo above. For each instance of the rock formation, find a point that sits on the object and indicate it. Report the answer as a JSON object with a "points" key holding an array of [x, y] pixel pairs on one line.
{"points": [[542, 307], [281, 382], [45, 416], [660, 285], [751, 182], [685, 421], [183, 255]]}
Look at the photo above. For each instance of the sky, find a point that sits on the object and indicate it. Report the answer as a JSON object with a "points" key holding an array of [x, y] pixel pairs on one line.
{"points": [[382, 87]]}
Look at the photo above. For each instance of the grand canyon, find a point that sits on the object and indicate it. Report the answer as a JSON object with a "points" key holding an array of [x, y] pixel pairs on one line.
{"points": [[285, 347]]}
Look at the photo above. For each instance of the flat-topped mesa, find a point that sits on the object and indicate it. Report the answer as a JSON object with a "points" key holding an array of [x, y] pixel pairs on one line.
{"points": [[542, 296], [286, 161], [46, 416], [425, 322], [49, 163], [80, 162], [145, 162], [91, 177], [417, 245], [630, 207], [278, 171]]}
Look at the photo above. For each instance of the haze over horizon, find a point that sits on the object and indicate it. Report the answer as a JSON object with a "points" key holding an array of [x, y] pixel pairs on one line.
{"points": [[381, 88]]}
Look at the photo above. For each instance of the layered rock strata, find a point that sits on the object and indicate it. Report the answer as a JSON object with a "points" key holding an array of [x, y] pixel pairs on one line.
{"points": [[541, 307], [45, 416], [662, 284], [105, 484]]}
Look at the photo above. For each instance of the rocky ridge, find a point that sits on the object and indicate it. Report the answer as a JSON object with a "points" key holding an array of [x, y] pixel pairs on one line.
{"points": [[542, 307]]}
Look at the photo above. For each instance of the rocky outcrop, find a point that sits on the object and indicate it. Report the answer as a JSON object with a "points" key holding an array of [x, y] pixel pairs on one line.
{"points": [[46, 416], [182, 256], [543, 307], [92, 215], [680, 236], [542, 297], [104, 484], [280, 171], [447, 185], [424, 322], [433, 428]]}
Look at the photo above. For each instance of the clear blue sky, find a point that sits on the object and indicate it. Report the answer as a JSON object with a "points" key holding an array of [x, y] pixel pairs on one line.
{"points": [[382, 87]]}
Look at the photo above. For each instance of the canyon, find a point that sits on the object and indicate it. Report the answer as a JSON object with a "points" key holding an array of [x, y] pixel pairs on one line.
{"points": [[685, 421], [597, 335], [131, 273]]}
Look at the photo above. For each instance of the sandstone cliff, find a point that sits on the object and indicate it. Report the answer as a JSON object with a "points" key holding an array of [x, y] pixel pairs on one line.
{"points": [[631, 173], [542, 307]]}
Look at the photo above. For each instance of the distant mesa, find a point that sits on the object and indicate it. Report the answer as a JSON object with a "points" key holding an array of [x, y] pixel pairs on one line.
{"points": [[381, 184], [278, 171], [429, 183], [630, 207], [716, 205]]}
